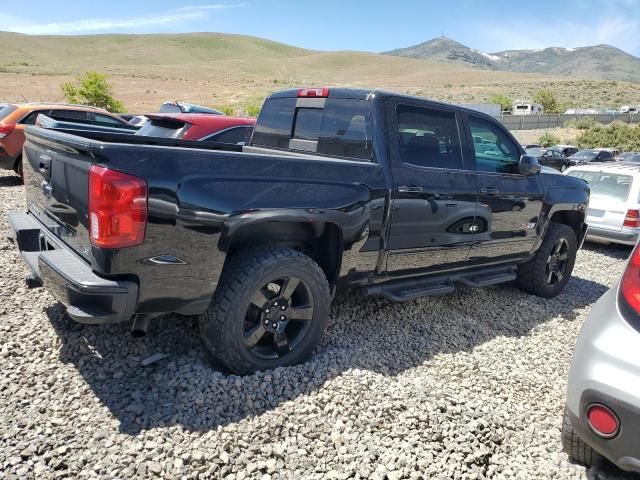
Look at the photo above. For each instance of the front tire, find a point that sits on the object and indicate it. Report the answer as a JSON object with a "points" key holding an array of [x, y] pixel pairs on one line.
{"points": [[577, 449], [563, 168], [270, 309], [548, 272]]}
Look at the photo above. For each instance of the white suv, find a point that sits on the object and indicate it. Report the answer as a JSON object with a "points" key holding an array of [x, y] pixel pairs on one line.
{"points": [[614, 205]]}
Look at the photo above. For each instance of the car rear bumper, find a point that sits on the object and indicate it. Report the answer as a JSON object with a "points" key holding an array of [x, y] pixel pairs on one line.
{"points": [[89, 298], [616, 236], [605, 369]]}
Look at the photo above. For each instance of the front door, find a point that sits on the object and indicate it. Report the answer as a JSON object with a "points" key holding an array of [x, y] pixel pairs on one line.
{"points": [[509, 201], [433, 217]]}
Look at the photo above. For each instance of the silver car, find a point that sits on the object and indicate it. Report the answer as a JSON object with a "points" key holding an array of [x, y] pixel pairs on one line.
{"points": [[614, 205], [602, 415]]}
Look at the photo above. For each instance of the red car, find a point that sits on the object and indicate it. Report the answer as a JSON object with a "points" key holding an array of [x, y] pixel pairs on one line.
{"points": [[200, 127]]}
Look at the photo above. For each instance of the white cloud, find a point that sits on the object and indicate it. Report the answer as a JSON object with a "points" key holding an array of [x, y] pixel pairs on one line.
{"points": [[106, 24]]}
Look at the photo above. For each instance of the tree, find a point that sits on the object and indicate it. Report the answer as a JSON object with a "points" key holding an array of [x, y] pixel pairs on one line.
{"points": [[505, 102], [548, 100], [547, 139], [92, 89]]}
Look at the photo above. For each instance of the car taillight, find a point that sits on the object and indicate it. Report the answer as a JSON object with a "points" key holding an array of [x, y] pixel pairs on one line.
{"points": [[6, 129], [632, 219], [630, 284], [602, 420], [117, 208], [313, 92]]}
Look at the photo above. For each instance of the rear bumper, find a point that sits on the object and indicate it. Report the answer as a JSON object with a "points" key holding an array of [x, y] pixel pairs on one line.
{"points": [[616, 236], [89, 298], [604, 370]]}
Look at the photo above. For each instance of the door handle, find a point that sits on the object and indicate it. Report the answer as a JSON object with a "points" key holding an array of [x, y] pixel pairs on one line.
{"points": [[410, 189], [489, 191]]}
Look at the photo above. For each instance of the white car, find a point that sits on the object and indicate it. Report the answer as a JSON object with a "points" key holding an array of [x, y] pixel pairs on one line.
{"points": [[614, 205]]}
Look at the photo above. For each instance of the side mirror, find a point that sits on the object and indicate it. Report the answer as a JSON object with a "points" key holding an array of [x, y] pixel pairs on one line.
{"points": [[528, 165]]}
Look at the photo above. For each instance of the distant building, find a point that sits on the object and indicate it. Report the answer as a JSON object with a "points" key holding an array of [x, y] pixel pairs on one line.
{"points": [[527, 108], [492, 109], [583, 111], [629, 109]]}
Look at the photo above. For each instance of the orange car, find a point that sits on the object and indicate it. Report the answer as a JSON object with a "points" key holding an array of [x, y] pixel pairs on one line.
{"points": [[14, 118]]}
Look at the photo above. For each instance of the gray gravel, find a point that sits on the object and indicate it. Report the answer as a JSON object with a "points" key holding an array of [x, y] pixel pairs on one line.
{"points": [[466, 386]]}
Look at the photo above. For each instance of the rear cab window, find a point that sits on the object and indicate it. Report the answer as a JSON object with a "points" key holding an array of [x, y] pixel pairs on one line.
{"points": [[606, 185], [332, 126]]}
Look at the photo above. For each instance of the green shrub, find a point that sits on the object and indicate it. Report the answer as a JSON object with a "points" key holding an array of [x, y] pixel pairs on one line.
{"points": [[252, 109], [92, 89], [547, 139], [505, 102], [584, 123], [619, 135], [548, 100], [227, 109]]}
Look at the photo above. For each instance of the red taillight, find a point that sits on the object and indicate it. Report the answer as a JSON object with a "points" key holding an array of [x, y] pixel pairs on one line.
{"points": [[602, 420], [632, 219], [313, 92], [6, 129], [630, 284], [117, 208]]}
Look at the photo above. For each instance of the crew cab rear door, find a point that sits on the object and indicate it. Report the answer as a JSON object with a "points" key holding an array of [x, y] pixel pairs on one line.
{"points": [[508, 201], [433, 217]]}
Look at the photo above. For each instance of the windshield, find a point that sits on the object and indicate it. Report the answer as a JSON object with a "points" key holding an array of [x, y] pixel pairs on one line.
{"points": [[535, 152], [606, 186], [6, 109], [588, 154]]}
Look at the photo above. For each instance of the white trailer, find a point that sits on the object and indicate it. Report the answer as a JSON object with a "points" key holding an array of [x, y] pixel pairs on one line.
{"points": [[527, 108]]}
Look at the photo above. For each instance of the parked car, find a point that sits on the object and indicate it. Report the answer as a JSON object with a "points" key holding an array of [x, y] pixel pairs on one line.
{"points": [[184, 107], [15, 117], [553, 158], [586, 156], [566, 150], [338, 187], [614, 208], [531, 145], [199, 126], [628, 157], [602, 412]]}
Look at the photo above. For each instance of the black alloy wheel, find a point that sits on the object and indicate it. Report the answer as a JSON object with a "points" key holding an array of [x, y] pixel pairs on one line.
{"points": [[278, 317], [557, 262]]}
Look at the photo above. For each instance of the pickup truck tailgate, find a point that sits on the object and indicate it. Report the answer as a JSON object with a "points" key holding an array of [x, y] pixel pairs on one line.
{"points": [[56, 182]]}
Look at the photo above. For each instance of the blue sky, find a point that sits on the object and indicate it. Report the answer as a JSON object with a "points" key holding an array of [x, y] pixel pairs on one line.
{"points": [[490, 26]]}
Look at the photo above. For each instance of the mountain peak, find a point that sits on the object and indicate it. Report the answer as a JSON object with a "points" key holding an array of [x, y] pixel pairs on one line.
{"points": [[597, 62]]}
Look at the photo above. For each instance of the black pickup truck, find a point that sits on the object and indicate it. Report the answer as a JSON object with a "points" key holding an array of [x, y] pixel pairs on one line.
{"points": [[399, 196]]}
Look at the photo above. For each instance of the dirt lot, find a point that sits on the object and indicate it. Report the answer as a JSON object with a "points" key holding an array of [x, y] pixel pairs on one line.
{"points": [[466, 386]]}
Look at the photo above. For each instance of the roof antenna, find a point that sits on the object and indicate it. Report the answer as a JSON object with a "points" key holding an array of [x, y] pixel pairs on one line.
{"points": [[24, 98]]}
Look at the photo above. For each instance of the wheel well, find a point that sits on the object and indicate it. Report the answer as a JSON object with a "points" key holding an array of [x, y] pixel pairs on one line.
{"points": [[319, 240], [572, 218]]}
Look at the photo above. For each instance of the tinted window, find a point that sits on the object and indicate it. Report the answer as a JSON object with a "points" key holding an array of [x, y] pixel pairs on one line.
{"points": [[234, 136], [497, 152], [32, 117], [346, 129], [307, 124], [341, 128], [164, 128], [5, 110], [429, 138], [605, 155], [107, 119], [275, 122], [70, 115]]}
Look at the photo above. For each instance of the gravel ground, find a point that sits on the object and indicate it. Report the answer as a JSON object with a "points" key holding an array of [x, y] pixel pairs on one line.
{"points": [[470, 385]]}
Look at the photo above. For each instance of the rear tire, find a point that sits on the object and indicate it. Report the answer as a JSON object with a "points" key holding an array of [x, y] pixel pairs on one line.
{"points": [[576, 448], [270, 309], [18, 169], [548, 272]]}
